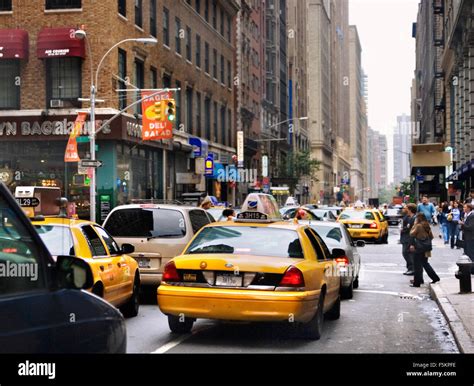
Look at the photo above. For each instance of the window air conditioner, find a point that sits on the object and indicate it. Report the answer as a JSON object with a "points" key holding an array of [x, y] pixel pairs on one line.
{"points": [[56, 103]]}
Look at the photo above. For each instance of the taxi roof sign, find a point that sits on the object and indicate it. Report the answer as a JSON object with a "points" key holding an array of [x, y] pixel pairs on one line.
{"points": [[259, 207]]}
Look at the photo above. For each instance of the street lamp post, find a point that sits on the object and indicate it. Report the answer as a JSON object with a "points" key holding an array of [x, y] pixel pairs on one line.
{"points": [[81, 34]]}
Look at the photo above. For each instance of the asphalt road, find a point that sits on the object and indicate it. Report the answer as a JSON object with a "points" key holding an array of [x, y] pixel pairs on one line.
{"points": [[386, 315]]}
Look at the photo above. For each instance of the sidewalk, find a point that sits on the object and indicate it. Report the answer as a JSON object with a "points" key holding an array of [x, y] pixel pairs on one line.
{"points": [[458, 311]]}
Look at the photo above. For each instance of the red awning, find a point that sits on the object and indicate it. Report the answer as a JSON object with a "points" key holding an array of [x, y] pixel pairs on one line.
{"points": [[13, 44], [59, 43]]}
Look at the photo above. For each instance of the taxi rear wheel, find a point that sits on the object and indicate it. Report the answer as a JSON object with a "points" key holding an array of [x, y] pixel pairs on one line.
{"points": [[335, 312], [180, 324], [385, 239], [347, 292], [314, 328], [130, 309], [355, 285]]}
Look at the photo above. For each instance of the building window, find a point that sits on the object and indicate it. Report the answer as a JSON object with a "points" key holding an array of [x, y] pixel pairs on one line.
{"points": [[5, 5], [139, 81], [64, 79], [229, 74], [206, 10], [178, 104], [198, 6], [229, 128], [63, 4], [122, 73], [198, 51], [188, 44], [153, 18], [189, 110], [216, 117], [177, 38], [198, 115], [122, 7], [166, 26], [166, 81], [153, 78], [229, 29], [222, 22], [214, 14], [214, 65], [207, 117], [9, 78], [206, 57], [222, 69], [139, 13], [223, 126]]}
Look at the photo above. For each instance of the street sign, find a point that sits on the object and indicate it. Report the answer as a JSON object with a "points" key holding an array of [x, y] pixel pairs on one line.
{"points": [[265, 166], [89, 163], [240, 149], [83, 139], [420, 178], [209, 165]]}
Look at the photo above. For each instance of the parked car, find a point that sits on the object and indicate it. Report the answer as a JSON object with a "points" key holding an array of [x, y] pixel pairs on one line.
{"points": [[37, 306], [394, 216], [158, 233], [337, 237]]}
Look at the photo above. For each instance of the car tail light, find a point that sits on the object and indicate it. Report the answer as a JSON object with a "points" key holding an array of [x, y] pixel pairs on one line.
{"points": [[293, 278], [171, 273], [342, 260], [373, 225]]}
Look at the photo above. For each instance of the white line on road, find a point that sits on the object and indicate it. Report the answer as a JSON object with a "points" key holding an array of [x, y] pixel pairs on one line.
{"points": [[170, 345], [398, 294], [401, 272]]}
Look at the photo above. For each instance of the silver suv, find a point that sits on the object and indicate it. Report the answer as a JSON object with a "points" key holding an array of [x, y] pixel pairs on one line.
{"points": [[158, 233]]}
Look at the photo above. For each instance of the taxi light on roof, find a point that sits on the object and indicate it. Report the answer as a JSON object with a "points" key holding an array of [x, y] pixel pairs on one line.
{"points": [[293, 278], [259, 207]]}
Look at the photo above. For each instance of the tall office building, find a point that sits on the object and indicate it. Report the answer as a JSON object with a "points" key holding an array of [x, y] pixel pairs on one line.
{"points": [[402, 149]]}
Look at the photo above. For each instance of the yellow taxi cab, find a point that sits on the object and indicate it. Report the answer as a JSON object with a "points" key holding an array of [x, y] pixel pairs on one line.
{"points": [[115, 273], [256, 268], [365, 223]]}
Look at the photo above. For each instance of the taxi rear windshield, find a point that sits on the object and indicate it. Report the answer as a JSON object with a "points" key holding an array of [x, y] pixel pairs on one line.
{"points": [[252, 241], [58, 239], [357, 215]]}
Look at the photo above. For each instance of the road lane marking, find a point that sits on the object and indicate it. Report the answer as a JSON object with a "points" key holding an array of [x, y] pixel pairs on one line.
{"points": [[401, 272], [392, 293], [175, 342]]}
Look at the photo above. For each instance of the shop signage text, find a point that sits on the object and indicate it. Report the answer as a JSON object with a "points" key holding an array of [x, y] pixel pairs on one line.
{"points": [[46, 128]]}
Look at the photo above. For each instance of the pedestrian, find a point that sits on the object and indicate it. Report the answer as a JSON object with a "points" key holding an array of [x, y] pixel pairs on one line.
{"points": [[421, 237], [467, 226], [227, 215], [407, 223], [443, 222], [428, 209], [454, 217], [206, 203], [470, 199]]}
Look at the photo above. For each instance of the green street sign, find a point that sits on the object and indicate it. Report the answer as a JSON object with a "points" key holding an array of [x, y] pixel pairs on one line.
{"points": [[82, 139]]}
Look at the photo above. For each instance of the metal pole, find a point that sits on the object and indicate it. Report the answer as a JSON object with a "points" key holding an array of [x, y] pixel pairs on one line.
{"points": [[92, 155]]}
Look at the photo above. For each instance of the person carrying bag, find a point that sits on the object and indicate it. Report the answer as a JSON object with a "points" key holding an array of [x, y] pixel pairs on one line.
{"points": [[421, 245]]}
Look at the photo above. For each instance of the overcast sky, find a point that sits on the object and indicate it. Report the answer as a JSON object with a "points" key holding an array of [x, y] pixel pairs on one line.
{"points": [[388, 58]]}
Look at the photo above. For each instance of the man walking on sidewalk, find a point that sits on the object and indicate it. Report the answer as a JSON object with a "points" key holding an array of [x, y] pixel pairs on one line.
{"points": [[428, 209], [407, 225], [467, 227]]}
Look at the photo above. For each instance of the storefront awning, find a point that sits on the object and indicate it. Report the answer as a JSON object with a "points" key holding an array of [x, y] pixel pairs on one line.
{"points": [[430, 159], [58, 43], [13, 44]]}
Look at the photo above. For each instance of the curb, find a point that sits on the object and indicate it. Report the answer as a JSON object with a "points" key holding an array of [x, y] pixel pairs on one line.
{"points": [[461, 336]]}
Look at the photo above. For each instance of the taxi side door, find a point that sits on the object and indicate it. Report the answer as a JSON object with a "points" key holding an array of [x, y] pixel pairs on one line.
{"points": [[327, 266], [125, 275], [103, 264]]}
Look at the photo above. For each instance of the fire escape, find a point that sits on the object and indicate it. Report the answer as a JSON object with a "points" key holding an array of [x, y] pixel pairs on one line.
{"points": [[439, 94]]}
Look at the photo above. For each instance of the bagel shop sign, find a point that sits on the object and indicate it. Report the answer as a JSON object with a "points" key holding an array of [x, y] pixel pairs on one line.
{"points": [[49, 128]]}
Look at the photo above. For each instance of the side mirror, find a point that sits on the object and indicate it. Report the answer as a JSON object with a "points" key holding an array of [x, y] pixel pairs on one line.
{"points": [[336, 252], [73, 273], [360, 243], [127, 249]]}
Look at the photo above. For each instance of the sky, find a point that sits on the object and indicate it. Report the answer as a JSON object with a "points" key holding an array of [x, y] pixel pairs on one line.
{"points": [[388, 58]]}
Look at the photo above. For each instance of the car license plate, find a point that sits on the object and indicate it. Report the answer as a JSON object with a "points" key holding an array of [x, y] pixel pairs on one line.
{"points": [[229, 281], [356, 226], [143, 262], [190, 277]]}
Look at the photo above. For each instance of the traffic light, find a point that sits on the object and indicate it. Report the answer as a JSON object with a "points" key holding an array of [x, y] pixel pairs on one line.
{"points": [[158, 109], [171, 109]]}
